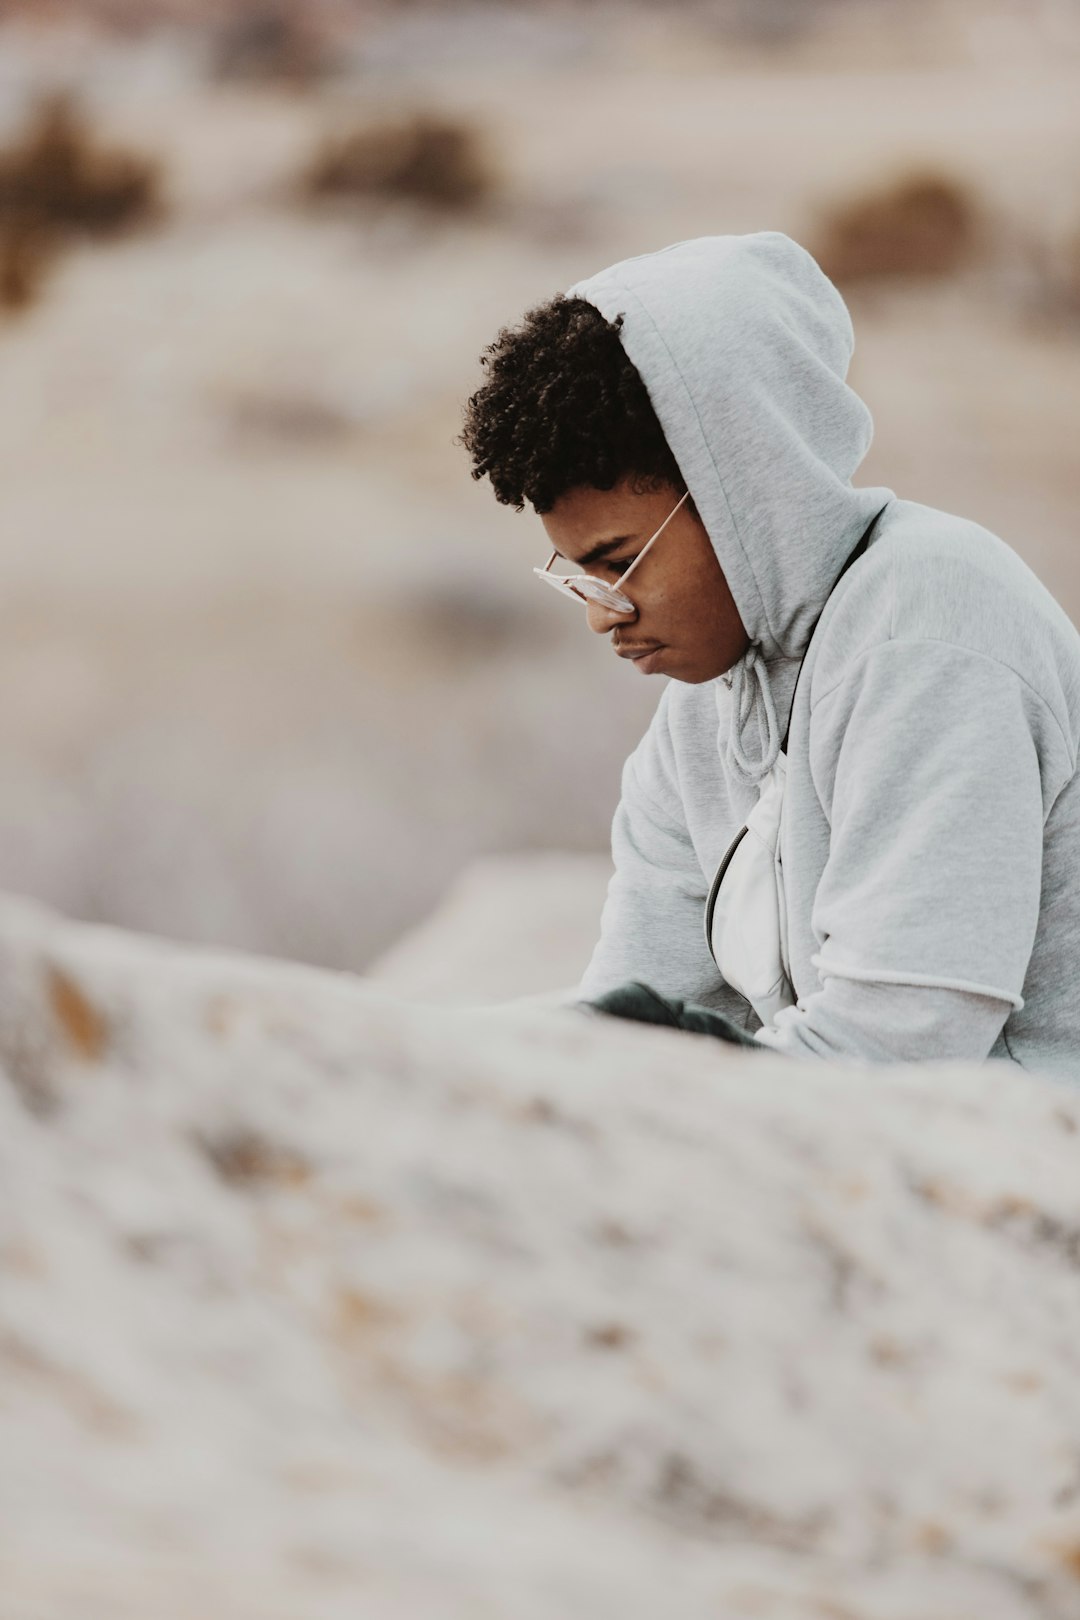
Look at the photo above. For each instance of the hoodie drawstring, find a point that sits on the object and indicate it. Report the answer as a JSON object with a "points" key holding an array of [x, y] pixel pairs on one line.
{"points": [[747, 700], [751, 696]]}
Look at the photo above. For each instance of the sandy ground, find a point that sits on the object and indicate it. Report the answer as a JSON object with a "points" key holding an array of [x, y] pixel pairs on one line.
{"points": [[272, 664]]}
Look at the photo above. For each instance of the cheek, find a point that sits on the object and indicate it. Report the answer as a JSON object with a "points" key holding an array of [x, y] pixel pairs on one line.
{"points": [[694, 607], [704, 625]]}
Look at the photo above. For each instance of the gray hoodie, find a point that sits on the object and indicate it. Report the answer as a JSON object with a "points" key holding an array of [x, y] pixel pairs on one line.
{"points": [[931, 832]]}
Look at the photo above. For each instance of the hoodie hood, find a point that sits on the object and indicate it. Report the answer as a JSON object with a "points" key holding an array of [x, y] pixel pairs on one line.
{"points": [[743, 344]]}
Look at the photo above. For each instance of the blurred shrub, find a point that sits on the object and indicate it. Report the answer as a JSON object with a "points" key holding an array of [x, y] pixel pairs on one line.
{"points": [[769, 23], [1069, 280], [57, 182], [1054, 279], [57, 173], [27, 250], [458, 620], [271, 43], [292, 418], [437, 162], [922, 224]]}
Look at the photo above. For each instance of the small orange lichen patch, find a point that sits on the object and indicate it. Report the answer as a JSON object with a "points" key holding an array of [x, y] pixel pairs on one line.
{"points": [[649, 1376], [1067, 1553], [829, 1609], [853, 1188], [245, 1157], [539, 1111], [85, 1027], [753, 1602], [1010, 1206], [933, 1538], [220, 1014], [478, 1315], [68, 1387], [615, 1234], [355, 1207], [599, 1470], [357, 1313], [712, 1344], [1025, 1382], [316, 1475], [887, 1353], [22, 1259], [956, 1200], [608, 1336], [461, 1415]]}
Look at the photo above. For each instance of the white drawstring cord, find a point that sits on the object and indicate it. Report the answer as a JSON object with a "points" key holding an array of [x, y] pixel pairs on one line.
{"points": [[747, 679]]}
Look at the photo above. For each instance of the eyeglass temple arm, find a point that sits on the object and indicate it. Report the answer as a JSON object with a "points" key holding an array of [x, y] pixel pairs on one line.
{"points": [[620, 582], [640, 554]]}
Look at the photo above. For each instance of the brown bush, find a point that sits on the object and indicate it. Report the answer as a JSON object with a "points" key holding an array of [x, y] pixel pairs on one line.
{"points": [[57, 182], [1060, 281], [58, 174], [437, 162], [271, 43], [27, 251], [923, 224]]}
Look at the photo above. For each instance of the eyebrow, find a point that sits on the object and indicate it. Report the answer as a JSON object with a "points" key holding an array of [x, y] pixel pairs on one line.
{"points": [[603, 549]]}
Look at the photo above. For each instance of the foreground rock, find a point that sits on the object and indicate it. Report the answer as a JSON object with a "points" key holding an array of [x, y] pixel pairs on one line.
{"points": [[314, 1305], [510, 926]]}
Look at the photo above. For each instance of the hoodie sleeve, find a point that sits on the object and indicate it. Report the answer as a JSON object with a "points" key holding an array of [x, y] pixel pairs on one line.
{"points": [[936, 767], [652, 926]]}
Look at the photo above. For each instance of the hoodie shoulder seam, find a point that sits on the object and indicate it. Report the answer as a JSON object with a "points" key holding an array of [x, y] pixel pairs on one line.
{"points": [[954, 646]]}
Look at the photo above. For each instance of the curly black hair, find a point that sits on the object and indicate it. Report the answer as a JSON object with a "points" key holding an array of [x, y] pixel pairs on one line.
{"points": [[563, 407]]}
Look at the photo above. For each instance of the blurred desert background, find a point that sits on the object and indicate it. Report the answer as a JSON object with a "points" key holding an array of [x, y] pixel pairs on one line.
{"points": [[274, 670], [316, 1302]]}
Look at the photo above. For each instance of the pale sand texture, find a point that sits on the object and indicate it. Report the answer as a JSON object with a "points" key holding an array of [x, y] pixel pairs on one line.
{"points": [[314, 1305]]}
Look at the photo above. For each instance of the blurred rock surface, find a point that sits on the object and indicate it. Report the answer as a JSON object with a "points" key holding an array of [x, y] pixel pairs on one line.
{"points": [[509, 926], [312, 1303]]}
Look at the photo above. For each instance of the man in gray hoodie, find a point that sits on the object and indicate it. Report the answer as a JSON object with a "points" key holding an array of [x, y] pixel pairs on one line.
{"points": [[898, 671]]}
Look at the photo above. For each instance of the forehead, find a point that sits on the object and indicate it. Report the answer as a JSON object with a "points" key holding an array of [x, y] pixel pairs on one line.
{"points": [[585, 517]]}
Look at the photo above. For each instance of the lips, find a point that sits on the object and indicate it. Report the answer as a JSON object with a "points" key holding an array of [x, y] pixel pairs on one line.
{"points": [[644, 659]]}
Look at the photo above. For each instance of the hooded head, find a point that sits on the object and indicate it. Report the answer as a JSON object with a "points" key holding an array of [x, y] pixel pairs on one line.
{"points": [[741, 345], [744, 345]]}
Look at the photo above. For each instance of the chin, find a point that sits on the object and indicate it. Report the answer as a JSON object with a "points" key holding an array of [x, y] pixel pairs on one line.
{"points": [[714, 670], [692, 677]]}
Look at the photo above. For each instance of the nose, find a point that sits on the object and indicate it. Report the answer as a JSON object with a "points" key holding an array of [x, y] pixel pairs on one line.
{"points": [[604, 619]]}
